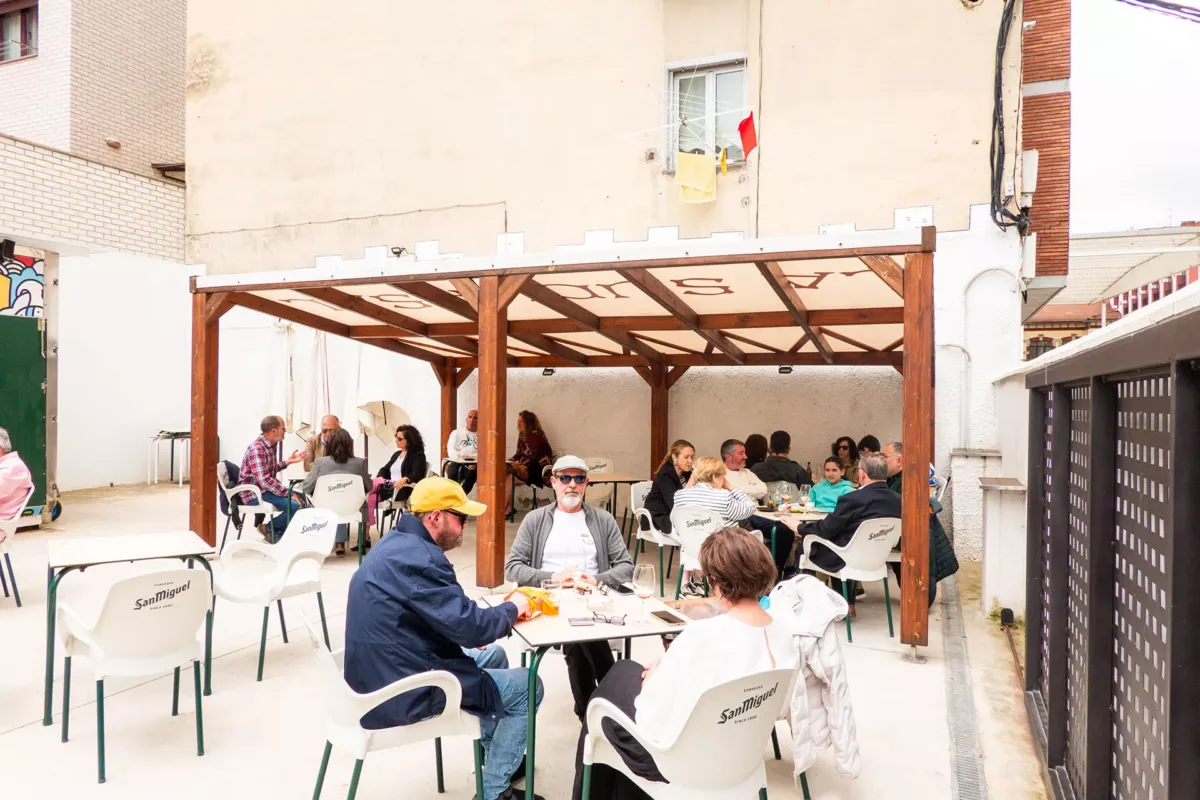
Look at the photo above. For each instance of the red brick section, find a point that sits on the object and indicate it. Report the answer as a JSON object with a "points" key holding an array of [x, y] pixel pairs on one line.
{"points": [[1046, 127]]}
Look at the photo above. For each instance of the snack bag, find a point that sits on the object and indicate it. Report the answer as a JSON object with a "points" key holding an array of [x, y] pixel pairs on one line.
{"points": [[540, 601]]}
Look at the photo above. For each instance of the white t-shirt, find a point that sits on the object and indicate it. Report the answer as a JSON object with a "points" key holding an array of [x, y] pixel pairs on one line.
{"points": [[570, 544], [463, 444], [748, 482], [396, 465], [707, 653]]}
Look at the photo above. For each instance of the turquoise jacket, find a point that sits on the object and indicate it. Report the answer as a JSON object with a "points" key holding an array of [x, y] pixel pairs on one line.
{"points": [[825, 495]]}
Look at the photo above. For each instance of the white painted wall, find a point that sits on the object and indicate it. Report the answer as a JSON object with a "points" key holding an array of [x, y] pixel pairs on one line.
{"points": [[124, 367]]}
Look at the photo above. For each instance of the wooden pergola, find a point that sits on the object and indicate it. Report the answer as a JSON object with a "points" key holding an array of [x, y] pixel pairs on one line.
{"points": [[658, 308]]}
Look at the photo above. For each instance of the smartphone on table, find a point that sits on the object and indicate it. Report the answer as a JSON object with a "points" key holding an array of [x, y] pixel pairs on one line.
{"points": [[668, 617]]}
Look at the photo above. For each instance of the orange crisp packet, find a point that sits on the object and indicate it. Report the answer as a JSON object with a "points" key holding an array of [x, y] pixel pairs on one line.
{"points": [[540, 601]]}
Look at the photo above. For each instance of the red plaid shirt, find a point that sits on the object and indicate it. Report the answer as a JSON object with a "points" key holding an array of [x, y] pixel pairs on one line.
{"points": [[259, 467]]}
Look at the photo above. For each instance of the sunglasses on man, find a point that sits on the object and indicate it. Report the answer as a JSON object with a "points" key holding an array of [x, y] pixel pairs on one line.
{"points": [[566, 479], [462, 518]]}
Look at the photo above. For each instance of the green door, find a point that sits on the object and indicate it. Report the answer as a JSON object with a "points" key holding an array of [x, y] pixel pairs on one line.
{"points": [[23, 396]]}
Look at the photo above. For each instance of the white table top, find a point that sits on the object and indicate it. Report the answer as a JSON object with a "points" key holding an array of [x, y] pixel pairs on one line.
{"points": [[80, 551], [793, 520], [612, 477], [545, 631]]}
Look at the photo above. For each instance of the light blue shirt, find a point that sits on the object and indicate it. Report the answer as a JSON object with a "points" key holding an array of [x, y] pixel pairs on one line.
{"points": [[825, 495]]}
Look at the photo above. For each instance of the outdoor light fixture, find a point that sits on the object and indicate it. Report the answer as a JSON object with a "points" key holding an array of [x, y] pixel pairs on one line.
{"points": [[785, 370], [547, 372]]}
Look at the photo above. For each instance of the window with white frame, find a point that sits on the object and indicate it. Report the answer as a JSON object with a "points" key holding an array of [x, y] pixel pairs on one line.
{"points": [[707, 103], [18, 29]]}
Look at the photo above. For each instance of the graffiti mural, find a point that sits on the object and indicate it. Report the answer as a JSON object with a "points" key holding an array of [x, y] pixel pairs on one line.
{"points": [[22, 286]]}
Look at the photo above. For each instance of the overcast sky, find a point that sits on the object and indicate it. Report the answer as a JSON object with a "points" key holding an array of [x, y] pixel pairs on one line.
{"points": [[1135, 94]]}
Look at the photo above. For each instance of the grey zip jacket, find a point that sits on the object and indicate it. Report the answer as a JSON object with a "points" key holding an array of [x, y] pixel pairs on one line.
{"points": [[524, 564]]}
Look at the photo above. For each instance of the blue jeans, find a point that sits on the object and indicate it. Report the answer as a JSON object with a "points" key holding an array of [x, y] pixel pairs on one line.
{"points": [[280, 523], [490, 657], [504, 735]]}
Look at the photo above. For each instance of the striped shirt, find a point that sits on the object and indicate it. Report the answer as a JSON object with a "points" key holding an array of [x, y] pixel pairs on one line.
{"points": [[733, 505]]}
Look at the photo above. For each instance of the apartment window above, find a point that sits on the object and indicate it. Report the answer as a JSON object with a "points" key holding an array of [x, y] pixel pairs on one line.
{"points": [[18, 29], [708, 100]]}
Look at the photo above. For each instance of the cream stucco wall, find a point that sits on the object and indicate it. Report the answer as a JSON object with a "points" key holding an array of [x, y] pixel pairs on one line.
{"points": [[392, 122]]}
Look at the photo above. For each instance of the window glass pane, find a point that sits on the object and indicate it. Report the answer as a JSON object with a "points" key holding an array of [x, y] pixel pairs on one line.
{"points": [[31, 31], [10, 36], [731, 110], [692, 91]]}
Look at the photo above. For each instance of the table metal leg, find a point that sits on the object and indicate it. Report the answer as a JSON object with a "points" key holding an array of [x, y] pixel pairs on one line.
{"points": [[531, 724], [51, 612]]}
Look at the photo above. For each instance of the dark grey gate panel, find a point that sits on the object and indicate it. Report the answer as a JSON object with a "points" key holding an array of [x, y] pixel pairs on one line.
{"points": [[1077, 590]]}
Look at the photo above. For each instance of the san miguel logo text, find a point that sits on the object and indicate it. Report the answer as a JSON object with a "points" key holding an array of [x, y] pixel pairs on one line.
{"points": [[316, 526], [879, 534], [159, 596], [749, 704]]}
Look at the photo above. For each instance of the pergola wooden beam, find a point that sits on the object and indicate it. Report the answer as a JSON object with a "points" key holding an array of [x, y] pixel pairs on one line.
{"points": [[553, 348], [751, 342], [841, 337], [787, 294], [888, 270], [439, 298], [366, 308], [849, 359], [592, 322], [657, 291]]}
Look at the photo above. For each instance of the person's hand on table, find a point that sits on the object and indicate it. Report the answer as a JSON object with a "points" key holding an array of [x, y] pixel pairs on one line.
{"points": [[522, 603], [566, 576], [295, 458]]}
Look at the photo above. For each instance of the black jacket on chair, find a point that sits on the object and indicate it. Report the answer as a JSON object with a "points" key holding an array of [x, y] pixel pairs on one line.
{"points": [[414, 467], [661, 499], [873, 501]]}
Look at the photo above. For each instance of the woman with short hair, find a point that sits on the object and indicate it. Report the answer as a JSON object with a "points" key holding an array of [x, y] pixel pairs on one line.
{"points": [[533, 455], [845, 449], [396, 479], [339, 459], [660, 697]]}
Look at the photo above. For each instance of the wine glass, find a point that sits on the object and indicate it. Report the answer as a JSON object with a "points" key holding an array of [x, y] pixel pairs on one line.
{"points": [[805, 491], [643, 585]]}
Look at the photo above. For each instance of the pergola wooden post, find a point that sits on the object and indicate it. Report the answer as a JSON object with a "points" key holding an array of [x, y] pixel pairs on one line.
{"points": [[207, 310], [917, 415], [447, 376]]}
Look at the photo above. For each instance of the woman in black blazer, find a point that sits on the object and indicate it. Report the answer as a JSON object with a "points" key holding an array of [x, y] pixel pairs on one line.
{"points": [[673, 474], [407, 465]]}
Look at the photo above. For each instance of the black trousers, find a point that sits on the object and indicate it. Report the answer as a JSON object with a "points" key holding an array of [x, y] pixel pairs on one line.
{"points": [[620, 687], [587, 664], [462, 474], [784, 537]]}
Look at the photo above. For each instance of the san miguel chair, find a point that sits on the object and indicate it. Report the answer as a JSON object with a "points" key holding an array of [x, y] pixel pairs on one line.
{"points": [[345, 709], [147, 625], [691, 525], [708, 760], [8, 531], [650, 533], [296, 569], [240, 514], [866, 557], [344, 495]]}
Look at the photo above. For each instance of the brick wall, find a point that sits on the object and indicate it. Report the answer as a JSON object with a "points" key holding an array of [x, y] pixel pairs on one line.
{"points": [[35, 93], [50, 196], [1046, 127], [127, 77]]}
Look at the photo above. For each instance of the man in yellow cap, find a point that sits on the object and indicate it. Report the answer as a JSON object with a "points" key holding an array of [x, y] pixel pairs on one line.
{"points": [[407, 614]]}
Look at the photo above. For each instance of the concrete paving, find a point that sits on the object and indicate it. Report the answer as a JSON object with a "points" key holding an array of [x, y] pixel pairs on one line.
{"points": [[265, 739]]}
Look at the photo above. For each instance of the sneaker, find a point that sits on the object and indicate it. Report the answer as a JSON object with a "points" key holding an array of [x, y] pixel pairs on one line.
{"points": [[512, 793], [693, 589]]}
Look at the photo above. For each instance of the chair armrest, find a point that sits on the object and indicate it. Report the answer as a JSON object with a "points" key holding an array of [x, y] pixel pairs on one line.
{"points": [[437, 678], [69, 624], [246, 487], [599, 710], [302, 555]]}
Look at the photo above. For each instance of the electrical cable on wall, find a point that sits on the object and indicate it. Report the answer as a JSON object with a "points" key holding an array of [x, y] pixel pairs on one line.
{"points": [[1001, 214], [1189, 13]]}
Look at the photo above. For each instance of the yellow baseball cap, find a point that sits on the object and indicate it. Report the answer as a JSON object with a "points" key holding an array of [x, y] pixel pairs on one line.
{"points": [[443, 494]]}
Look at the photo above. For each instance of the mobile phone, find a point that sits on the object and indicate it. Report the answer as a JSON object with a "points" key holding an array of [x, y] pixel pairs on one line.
{"points": [[668, 617], [621, 588], [580, 621]]}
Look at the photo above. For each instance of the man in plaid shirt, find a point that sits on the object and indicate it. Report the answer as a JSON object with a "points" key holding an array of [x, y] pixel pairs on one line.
{"points": [[260, 466]]}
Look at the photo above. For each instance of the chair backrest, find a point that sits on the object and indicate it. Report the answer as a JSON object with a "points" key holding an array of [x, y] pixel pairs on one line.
{"points": [[310, 529], [727, 731], [692, 525], [869, 547], [942, 485], [638, 492], [341, 494], [599, 494], [8, 527], [153, 614]]}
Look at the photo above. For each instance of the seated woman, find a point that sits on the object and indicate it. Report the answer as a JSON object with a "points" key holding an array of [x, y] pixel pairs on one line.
{"points": [[825, 494], [339, 460], [709, 490], [532, 457], [756, 450], [396, 478], [846, 450], [673, 474], [660, 697]]}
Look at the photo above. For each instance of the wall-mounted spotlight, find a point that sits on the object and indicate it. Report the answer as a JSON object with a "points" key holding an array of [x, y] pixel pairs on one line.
{"points": [[547, 372], [398, 251], [785, 370]]}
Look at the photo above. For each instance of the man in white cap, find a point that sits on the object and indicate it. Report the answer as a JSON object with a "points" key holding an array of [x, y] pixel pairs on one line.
{"points": [[576, 543]]}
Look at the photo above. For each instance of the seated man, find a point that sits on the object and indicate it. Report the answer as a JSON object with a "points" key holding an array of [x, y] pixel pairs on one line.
{"points": [[733, 453], [15, 479], [260, 466], [572, 541], [315, 448], [464, 445], [778, 467], [407, 614], [872, 500], [942, 560], [894, 453]]}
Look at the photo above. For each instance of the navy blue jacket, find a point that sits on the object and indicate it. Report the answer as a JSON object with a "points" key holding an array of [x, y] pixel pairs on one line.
{"points": [[407, 614]]}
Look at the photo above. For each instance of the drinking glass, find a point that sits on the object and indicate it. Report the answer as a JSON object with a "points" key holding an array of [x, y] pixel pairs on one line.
{"points": [[643, 585], [554, 589], [805, 490]]}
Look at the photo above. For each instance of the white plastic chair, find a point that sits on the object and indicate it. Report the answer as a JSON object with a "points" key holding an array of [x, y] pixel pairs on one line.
{"points": [[651, 534], [247, 511], [296, 569], [8, 531], [709, 760], [147, 625], [599, 495], [691, 525], [344, 496], [866, 556], [345, 709]]}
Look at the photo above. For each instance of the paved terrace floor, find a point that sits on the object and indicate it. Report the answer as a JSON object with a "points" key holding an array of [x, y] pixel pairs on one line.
{"points": [[265, 739]]}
